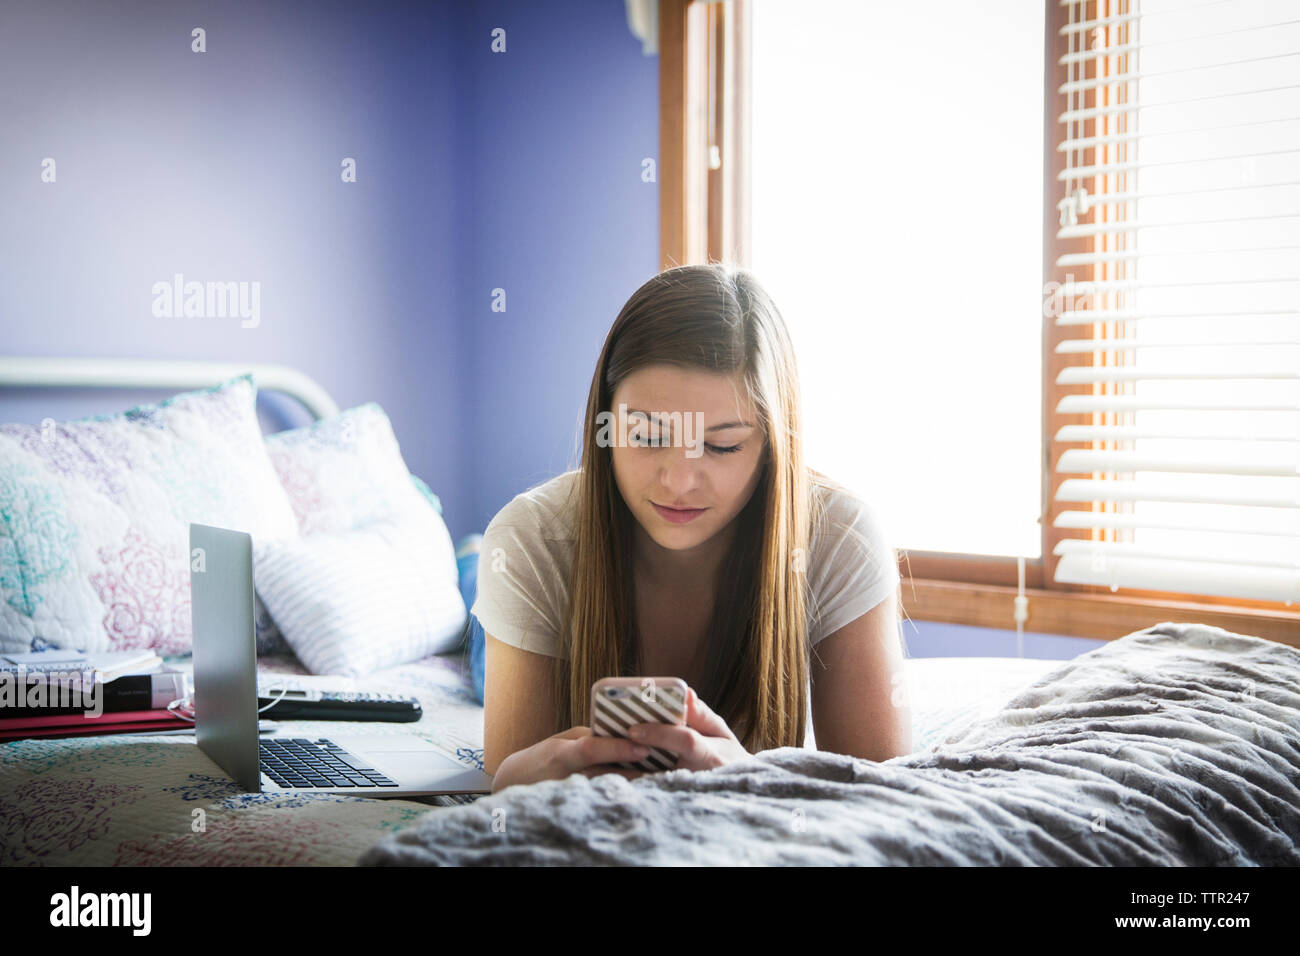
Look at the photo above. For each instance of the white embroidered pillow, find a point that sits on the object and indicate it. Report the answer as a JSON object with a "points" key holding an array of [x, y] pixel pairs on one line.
{"points": [[95, 536]]}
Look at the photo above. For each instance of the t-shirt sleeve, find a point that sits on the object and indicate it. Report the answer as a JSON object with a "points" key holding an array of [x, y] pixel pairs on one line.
{"points": [[854, 567], [517, 582]]}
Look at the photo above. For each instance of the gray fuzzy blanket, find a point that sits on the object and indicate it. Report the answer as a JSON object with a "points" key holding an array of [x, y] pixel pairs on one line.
{"points": [[1174, 746]]}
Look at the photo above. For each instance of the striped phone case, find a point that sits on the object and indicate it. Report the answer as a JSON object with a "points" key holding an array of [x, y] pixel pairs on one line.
{"points": [[619, 702]]}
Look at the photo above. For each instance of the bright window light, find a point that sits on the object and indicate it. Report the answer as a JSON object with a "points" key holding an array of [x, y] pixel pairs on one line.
{"points": [[897, 162]]}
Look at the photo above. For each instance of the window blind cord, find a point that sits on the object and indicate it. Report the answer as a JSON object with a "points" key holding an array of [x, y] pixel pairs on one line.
{"points": [[1022, 609]]}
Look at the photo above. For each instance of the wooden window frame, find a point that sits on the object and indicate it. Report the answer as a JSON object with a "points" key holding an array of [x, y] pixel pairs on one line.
{"points": [[702, 207], [704, 101]]}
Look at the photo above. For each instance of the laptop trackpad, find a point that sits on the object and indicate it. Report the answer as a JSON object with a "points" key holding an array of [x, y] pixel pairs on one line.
{"points": [[399, 756]]}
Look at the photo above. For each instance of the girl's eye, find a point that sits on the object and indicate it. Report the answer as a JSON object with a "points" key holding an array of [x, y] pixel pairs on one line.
{"points": [[653, 441]]}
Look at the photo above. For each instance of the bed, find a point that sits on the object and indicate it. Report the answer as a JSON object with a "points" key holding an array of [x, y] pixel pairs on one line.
{"points": [[158, 800], [1178, 745]]}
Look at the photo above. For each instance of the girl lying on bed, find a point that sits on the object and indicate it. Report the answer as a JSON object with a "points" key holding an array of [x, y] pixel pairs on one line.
{"points": [[694, 542]]}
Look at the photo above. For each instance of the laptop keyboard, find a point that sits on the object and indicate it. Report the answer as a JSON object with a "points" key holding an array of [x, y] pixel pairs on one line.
{"points": [[302, 763]]}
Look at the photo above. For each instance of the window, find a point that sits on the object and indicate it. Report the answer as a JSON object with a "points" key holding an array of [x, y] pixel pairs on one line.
{"points": [[906, 257], [813, 161]]}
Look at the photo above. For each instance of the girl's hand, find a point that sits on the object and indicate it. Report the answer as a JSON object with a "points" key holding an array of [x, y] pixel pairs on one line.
{"points": [[704, 743], [576, 750]]}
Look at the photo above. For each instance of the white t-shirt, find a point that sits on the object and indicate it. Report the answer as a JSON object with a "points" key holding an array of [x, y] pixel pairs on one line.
{"points": [[527, 553]]}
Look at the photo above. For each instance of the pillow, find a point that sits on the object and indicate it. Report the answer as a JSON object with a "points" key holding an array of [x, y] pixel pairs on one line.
{"points": [[428, 494], [344, 475], [95, 514], [345, 471], [352, 602]]}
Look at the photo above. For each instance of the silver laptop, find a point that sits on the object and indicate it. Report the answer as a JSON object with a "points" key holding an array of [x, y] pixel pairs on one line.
{"points": [[225, 701]]}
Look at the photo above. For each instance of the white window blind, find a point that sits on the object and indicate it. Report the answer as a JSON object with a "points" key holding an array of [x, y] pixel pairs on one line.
{"points": [[1181, 142]]}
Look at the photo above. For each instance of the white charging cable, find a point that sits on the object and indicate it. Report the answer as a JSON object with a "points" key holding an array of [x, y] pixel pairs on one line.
{"points": [[184, 707]]}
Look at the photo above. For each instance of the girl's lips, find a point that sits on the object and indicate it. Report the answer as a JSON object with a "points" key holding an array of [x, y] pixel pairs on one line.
{"points": [[678, 517]]}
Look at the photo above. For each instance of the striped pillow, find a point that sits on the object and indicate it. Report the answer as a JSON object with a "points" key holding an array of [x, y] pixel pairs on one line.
{"points": [[344, 473], [352, 602]]}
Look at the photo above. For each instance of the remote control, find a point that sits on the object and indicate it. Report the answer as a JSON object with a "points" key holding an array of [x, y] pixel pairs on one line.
{"points": [[337, 705]]}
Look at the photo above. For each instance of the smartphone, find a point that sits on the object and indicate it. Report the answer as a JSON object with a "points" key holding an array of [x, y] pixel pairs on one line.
{"points": [[619, 702]]}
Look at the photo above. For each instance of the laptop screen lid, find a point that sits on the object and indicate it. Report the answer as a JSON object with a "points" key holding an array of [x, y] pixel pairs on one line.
{"points": [[225, 651]]}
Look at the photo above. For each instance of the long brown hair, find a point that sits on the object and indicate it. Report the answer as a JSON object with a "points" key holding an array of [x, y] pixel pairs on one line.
{"points": [[716, 318]]}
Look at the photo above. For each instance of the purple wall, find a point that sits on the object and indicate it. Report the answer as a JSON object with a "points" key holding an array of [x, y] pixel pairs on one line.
{"points": [[935, 639], [476, 171], [557, 128], [225, 165]]}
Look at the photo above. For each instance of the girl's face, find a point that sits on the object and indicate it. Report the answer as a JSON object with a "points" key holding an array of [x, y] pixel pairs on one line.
{"points": [[693, 441]]}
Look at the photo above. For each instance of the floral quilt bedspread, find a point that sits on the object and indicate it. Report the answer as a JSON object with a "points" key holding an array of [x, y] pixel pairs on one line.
{"points": [[159, 800]]}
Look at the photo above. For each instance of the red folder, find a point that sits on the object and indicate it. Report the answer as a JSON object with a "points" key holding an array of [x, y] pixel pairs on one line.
{"points": [[79, 725]]}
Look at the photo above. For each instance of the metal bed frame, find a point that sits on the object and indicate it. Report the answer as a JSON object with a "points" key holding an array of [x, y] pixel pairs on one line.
{"points": [[162, 373]]}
